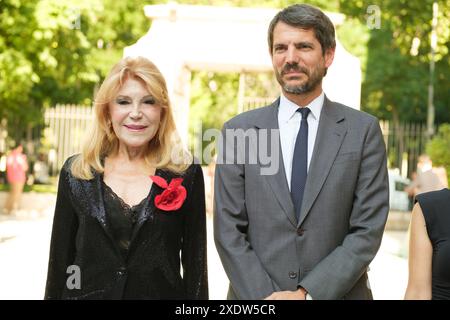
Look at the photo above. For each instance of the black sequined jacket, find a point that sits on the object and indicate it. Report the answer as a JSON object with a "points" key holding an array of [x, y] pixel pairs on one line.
{"points": [[161, 242]]}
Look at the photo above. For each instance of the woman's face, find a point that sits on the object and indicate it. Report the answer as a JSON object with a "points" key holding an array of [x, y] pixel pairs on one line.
{"points": [[135, 115]]}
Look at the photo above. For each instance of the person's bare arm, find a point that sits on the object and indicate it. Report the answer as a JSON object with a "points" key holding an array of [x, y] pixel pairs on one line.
{"points": [[420, 258]]}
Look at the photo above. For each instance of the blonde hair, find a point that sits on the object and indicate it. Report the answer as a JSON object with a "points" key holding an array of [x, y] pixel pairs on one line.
{"points": [[102, 141]]}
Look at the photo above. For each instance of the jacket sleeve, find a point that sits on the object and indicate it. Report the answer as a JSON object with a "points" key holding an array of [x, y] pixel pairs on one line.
{"points": [[62, 246], [249, 280], [193, 255], [337, 273]]}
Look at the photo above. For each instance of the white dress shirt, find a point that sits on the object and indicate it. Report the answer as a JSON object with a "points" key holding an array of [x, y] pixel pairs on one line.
{"points": [[289, 124]]}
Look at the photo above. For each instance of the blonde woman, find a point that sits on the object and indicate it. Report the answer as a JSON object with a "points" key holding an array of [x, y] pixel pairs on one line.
{"points": [[429, 247], [130, 209]]}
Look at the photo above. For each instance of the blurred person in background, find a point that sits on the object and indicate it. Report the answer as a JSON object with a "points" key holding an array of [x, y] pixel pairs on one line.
{"points": [[427, 178], [16, 168], [41, 170]]}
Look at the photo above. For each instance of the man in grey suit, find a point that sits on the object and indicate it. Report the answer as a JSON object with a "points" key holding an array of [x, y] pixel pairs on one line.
{"points": [[309, 229]]}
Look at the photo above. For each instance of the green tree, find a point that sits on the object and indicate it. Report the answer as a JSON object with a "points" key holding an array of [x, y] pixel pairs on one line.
{"points": [[42, 59], [438, 148], [396, 75], [17, 76], [213, 102], [332, 5], [118, 24]]}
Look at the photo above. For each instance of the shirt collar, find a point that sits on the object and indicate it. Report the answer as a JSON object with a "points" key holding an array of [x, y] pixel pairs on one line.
{"points": [[288, 108]]}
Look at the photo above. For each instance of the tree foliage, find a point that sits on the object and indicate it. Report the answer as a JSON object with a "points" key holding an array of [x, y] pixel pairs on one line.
{"points": [[395, 84], [438, 148]]}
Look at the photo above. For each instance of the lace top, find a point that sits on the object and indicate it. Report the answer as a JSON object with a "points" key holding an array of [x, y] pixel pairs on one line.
{"points": [[121, 217]]}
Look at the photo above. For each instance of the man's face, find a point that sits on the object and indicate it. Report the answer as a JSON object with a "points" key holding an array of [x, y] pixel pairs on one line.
{"points": [[297, 59]]}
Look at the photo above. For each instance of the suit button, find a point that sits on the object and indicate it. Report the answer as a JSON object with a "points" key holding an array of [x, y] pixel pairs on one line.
{"points": [[300, 231], [292, 275], [121, 271]]}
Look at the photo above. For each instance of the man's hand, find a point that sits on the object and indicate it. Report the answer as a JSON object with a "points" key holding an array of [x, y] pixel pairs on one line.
{"points": [[300, 294]]}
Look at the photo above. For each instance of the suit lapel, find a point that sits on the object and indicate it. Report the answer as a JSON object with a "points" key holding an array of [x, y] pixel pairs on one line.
{"points": [[89, 195], [98, 209], [277, 181], [330, 135]]}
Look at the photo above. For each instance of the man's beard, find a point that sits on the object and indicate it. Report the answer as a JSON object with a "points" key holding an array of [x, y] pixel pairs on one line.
{"points": [[313, 81]]}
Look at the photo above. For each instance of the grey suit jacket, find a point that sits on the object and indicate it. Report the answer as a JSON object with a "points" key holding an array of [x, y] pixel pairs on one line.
{"points": [[262, 245]]}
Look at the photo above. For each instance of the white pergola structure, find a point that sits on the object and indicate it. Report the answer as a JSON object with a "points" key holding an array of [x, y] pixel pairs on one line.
{"points": [[185, 38]]}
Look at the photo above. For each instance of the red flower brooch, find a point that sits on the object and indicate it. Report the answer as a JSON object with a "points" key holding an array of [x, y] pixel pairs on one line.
{"points": [[172, 197]]}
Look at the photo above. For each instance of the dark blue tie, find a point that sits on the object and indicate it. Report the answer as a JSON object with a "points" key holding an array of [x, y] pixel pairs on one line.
{"points": [[300, 162]]}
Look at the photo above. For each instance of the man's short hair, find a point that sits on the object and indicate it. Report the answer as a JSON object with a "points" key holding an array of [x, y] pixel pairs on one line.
{"points": [[306, 17]]}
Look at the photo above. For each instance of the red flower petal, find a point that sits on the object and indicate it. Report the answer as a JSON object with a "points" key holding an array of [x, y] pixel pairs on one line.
{"points": [[171, 199], [175, 182], [159, 181], [158, 200]]}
